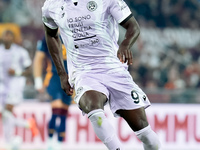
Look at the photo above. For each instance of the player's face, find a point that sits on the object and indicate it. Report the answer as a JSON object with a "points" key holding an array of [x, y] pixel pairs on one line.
{"points": [[8, 38]]}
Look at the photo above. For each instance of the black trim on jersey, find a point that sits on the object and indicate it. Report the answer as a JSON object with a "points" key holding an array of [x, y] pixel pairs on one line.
{"points": [[125, 20], [85, 38]]}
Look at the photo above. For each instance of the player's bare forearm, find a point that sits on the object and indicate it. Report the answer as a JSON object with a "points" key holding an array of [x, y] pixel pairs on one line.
{"points": [[37, 64], [37, 71], [132, 32], [54, 47]]}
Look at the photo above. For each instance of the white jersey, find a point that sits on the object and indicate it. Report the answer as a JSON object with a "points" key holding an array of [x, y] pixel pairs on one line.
{"points": [[16, 58], [89, 31]]}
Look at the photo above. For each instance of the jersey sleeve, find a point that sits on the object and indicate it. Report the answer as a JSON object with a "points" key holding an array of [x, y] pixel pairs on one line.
{"points": [[119, 10], [46, 15]]}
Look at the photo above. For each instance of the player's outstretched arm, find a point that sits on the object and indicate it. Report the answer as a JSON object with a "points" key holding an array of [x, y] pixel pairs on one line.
{"points": [[132, 33], [55, 49]]}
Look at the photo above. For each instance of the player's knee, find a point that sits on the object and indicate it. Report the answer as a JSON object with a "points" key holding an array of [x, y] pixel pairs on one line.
{"points": [[136, 118], [9, 107], [90, 107], [91, 101], [57, 103]]}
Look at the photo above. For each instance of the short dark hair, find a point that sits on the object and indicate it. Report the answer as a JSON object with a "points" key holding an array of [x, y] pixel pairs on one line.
{"points": [[8, 32]]}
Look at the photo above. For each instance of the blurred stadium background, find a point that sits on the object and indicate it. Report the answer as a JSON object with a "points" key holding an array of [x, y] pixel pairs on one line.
{"points": [[166, 65]]}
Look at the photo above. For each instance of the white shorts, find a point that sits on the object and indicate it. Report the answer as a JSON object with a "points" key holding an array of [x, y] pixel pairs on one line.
{"points": [[13, 98], [122, 92], [13, 93]]}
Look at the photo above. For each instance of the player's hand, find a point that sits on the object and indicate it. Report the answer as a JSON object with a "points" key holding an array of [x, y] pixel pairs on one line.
{"points": [[11, 72], [41, 90], [65, 84], [125, 55]]}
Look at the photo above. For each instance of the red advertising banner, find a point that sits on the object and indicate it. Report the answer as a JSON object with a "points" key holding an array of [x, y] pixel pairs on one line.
{"points": [[176, 125]]}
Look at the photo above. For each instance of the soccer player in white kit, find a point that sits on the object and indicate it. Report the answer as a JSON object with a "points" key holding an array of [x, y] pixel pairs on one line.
{"points": [[14, 64], [97, 65]]}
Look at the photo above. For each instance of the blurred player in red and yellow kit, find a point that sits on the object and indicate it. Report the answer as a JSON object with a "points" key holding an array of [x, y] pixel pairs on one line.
{"points": [[59, 99]]}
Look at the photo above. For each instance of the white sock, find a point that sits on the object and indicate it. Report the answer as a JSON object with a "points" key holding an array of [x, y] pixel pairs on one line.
{"points": [[149, 138], [14, 144], [104, 130], [8, 127], [9, 123]]}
